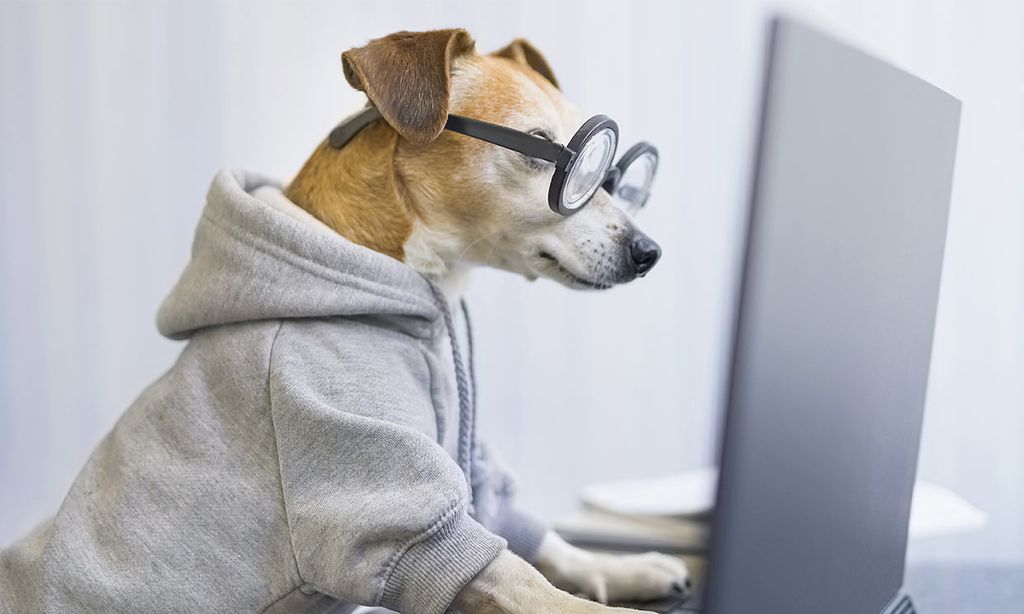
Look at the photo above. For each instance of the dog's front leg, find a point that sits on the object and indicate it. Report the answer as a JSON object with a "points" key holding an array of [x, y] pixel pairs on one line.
{"points": [[510, 585], [609, 577]]}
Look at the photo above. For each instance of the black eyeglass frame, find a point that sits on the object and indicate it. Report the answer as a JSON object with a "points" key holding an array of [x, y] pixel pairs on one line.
{"points": [[617, 172], [562, 156]]}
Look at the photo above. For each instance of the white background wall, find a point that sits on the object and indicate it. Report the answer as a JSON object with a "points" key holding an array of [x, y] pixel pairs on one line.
{"points": [[115, 115]]}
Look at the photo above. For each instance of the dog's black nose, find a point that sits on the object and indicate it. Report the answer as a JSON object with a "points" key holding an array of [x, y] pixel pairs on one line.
{"points": [[644, 253]]}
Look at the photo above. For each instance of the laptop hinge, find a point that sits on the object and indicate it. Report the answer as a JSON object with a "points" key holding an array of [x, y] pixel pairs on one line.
{"points": [[900, 605]]}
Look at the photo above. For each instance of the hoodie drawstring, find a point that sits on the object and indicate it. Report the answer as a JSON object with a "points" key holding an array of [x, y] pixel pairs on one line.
{"points": [[467, 402]]}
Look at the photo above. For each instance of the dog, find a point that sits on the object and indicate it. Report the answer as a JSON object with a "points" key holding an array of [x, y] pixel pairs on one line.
{"points": [[313, 447], [465, 203]]}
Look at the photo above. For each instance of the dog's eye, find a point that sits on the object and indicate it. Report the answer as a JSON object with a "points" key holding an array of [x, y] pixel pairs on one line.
{"points": [[536, 163]]}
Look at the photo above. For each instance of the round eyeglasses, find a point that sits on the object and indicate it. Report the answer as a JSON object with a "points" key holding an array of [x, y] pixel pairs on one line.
{"points": [[581, 167]]}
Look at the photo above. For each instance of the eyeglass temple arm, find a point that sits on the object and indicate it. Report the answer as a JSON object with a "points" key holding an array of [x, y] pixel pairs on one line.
{"points": [[509, 138], [526, 144], [351, 125]]}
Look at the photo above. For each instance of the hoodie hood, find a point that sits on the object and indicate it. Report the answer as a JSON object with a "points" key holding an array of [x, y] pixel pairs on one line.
{"points": [[253, 260]]}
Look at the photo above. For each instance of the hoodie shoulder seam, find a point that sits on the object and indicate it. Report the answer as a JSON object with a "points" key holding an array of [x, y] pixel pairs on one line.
{"points": [[277, 449], [440, 421]]}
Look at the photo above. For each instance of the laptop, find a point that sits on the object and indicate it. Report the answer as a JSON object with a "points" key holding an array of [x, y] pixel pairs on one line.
{"points": [[833, 335]]}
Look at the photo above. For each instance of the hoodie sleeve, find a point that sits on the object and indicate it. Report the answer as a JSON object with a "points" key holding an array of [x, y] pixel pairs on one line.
{"points": [[377, 510], [494, 491]]}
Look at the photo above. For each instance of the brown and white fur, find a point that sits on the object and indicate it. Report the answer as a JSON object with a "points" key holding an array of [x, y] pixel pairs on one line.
{"points": [[444, 203]]}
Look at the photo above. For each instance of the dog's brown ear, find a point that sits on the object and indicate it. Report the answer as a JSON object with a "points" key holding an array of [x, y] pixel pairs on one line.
{"points": [[408, 76], [520, 50]]}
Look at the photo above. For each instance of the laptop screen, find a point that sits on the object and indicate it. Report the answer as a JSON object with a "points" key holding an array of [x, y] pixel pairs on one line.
{"points": [[834, 332]]}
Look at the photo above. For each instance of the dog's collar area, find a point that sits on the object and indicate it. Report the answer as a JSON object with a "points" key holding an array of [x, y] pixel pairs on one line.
{"points": [[582, 167]]}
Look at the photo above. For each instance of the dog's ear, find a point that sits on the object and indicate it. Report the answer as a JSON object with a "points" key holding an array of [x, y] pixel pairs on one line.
{"points": [[520, 50], [408, 77]]}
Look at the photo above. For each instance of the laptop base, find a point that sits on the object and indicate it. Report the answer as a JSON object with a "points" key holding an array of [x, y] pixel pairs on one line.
{"points": [[683, 604]]}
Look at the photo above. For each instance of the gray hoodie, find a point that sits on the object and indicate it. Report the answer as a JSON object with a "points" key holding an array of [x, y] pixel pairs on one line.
{"points": [[313, 443]]}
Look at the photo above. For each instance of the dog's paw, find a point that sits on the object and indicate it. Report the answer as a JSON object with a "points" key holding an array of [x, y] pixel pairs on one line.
{"points": [[637, 577], [610, 577], [509, 585]]}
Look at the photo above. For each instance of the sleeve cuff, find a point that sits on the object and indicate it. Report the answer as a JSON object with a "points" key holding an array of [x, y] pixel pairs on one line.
{"points": [[523, 532], [431, 572]]}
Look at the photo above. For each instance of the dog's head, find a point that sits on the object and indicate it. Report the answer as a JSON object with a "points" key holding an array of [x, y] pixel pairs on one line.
{"points": [[473, 203]]}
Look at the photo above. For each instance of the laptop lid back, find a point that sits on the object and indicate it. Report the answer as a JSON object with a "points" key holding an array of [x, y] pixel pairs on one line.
{"points": [[834, 332]]}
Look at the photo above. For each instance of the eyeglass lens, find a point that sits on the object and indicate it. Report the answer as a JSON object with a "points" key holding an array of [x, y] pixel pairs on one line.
{"points": [[635, 184], [590, 168]]}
